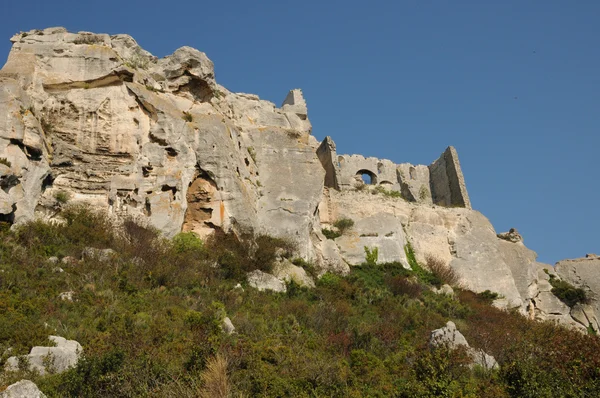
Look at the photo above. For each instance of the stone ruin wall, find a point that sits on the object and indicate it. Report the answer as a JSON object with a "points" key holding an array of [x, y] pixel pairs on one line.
{"points": [[441, 183]]}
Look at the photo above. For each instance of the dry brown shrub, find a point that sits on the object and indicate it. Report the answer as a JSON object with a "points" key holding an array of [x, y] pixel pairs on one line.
{"points": [[401, 285], [214, 378], [439, 268]]}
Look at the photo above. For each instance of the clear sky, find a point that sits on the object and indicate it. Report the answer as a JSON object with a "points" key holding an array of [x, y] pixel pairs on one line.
{"points": [[514, 85]]}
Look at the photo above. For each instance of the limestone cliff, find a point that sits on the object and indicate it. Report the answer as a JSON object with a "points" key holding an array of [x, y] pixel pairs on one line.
{"points": [[92, 118]]}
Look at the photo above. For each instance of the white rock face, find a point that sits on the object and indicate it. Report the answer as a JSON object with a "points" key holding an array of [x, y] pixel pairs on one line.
{"points": [[62, 357], [22, 389], [101, 120], [583, 273]]}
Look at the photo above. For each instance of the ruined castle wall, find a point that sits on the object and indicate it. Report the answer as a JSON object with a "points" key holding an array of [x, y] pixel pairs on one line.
{"points": [[447, 182], [414, 182], [328, 157], [380, 171]]}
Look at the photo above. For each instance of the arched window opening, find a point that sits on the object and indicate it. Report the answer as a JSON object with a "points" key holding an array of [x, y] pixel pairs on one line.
{"points": [[368, 177]]}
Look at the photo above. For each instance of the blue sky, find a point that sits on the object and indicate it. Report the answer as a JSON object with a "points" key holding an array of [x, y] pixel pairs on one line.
{"points": [[513, 85]]}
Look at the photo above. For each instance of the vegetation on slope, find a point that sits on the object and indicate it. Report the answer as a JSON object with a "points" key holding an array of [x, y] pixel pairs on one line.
{"points": [[149, 320]]}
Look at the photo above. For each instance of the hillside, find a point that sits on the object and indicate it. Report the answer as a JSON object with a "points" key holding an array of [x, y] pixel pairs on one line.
{"points": [[346, 264], [149, 316]]}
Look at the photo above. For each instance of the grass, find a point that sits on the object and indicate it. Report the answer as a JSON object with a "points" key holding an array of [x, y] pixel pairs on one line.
{"points": [[62, 197], [149, 322], [380, 189]]}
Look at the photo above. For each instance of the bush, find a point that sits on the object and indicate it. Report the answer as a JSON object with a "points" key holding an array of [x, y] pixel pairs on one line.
{"points": [[422, 274], [567, 293], [238, 256], [487, 296], [390, 194], [402, 285], [371, 255], [187, 242], [330, 234], [62, 197], [343, 224], [5, 162], [441, 270]]}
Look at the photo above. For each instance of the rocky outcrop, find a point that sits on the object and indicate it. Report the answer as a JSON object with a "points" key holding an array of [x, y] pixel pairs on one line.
{"points": [[583, 273], [94, 118], [97, 119], [450, 337], [64, 355], [22, 389]]}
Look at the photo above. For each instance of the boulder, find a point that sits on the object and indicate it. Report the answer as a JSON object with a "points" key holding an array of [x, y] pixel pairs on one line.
{"points": [[511, 236], [102, 255], [444, 289], [450, 337], [66, 296], [22, 389], [264, 281], [286, 271], [227, 326], [447, 335], [63, 356]]}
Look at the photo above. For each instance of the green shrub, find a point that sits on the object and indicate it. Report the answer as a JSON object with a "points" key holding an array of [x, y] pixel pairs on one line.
{"points": [[487, 296], [330, 234], [390, 194], [343, 224], [567, 293], [422, 274], [371, 255], [187, 242], [5, 162]]}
